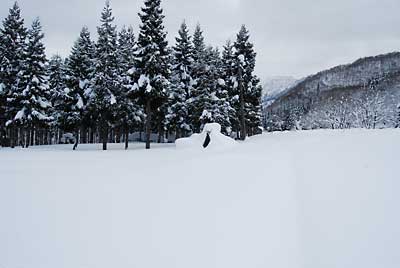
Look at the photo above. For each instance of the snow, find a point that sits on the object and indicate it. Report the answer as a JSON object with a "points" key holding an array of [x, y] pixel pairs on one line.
{"points": [[35, 80], [43, 103], [83, 83], [221, 82], [80, 104], [196, 141], [113, 100], [235, 82], [131, 71], [143, 80], [41, 116], [20, 114], [307, 199]]}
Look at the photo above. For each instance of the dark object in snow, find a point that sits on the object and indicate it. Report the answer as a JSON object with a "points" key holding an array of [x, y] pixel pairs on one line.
{"points": [[207, 140]]}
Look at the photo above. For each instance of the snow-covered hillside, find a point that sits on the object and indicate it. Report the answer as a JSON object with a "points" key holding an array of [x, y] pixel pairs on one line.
{"points": [[275, 85], [298, 199]]}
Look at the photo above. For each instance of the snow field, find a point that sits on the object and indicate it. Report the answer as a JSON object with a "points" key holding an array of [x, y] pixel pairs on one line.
{"points": [[298, 199]]}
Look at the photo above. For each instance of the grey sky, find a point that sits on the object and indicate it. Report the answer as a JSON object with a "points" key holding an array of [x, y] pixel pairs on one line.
{"points": [[292, 37]]}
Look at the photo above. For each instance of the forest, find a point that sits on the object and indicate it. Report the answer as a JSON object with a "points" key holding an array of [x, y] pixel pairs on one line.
{"points": [[124, 82]]}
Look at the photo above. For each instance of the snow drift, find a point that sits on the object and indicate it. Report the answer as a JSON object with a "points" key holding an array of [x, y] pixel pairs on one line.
{"points": [[218, 141], [284, 200]]}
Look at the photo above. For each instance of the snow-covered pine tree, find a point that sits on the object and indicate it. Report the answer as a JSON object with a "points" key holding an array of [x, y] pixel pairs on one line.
{"points": [[80, 70], [12, 46], [104, 86], [254, 107], [220, 106], [152, 62], [57, 86], [181, 84], [245, 59], [228, 76], [201, 99], [33, 96], [129, 113]]}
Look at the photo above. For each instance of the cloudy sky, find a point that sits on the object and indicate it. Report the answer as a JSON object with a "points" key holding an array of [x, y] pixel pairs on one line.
{"points": [[292, 37]]}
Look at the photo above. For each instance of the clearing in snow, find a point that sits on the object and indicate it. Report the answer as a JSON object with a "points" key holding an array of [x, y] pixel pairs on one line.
{"points": [[298, 199]]}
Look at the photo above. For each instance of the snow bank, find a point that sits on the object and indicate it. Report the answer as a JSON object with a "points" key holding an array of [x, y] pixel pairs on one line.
{"points": [[196, 141]]}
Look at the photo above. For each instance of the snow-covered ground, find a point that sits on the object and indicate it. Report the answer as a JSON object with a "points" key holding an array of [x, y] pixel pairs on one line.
{"points": [[307, 199]]}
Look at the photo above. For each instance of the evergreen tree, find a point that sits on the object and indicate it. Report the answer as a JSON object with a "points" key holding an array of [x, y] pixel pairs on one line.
{"points": [[152, 62], [220, 106], [198, 43], [129, 113], [181, 84], [254, 107], [245, 59], [228, 76], [57, 86], [80, 71], [33, 95], [103, 99], [126, 50], [201, 103], [12, 46]]}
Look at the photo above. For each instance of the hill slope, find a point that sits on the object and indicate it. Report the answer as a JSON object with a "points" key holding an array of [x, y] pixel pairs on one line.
{"points": [[274, 86], [350, 86]]}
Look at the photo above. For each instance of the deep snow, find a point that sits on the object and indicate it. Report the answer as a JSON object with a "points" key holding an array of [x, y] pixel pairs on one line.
{"points": [[219, 142], [299, 199]]}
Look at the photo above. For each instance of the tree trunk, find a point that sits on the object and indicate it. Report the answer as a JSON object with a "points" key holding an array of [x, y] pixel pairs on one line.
{"points": [[76, 140], [111, 136], [160, 134], [83, 137], [177, 134], [148, 123], [126, 137], [242, 118], [118, 135], [32, 137], [28, 137], [24, 140], [104, 134]]}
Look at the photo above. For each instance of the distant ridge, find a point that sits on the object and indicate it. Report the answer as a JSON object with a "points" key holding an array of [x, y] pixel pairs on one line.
{"points": [[341, 85]]}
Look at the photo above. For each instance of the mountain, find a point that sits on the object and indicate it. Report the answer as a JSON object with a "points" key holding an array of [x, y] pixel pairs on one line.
{"points": [[275, 85], [365, 93]]}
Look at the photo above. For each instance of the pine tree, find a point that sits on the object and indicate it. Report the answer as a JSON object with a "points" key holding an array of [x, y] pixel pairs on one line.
{"points": [[181, 84], [198, 43], [245, 59], [33, 95], [228, 76], [201, 103], [80, 72], [152, 62], [129, 113], [220, 105], [12, 45], [104, 85], [254, 107], [57, 86]]}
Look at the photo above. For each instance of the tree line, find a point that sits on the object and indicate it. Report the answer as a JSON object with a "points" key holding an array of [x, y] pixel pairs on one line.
{"points": [[123, 83], [370, 106]]}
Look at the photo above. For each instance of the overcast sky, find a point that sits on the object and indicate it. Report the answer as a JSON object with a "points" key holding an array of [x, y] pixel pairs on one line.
{"points": [[292, 37]]}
